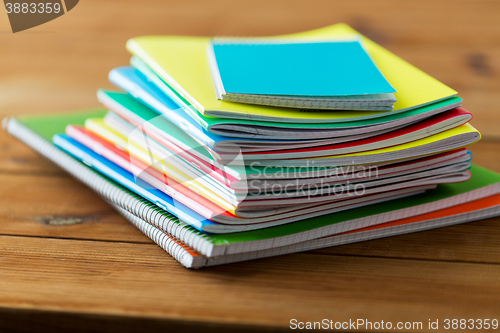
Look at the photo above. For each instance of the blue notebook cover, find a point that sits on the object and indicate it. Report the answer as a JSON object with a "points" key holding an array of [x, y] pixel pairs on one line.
{"points": [[336, 68]]}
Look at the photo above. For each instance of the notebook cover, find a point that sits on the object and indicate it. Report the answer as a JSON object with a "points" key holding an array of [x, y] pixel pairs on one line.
{"points": [[144, 75], [182, 62], [321, 69], [153, 97]]}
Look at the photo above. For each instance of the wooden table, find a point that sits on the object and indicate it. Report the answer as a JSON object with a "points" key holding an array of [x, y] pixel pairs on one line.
{"points": [[68, 261]]}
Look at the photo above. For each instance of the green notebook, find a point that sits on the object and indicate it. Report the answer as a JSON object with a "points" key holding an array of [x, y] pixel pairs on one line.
{"points": [[37, 132]]}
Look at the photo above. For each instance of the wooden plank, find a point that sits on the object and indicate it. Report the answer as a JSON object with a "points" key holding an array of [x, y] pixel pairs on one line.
{"points": [[24, 194], [24, 320], [475, 21], [141, 281], [59, 207], [109, 227], [18, 158]]}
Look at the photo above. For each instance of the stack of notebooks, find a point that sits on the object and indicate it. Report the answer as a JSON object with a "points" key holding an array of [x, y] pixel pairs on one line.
{"points": [[224, 150]]}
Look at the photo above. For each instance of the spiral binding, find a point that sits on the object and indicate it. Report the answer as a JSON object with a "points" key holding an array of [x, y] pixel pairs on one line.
{"points": [[180, 252]]}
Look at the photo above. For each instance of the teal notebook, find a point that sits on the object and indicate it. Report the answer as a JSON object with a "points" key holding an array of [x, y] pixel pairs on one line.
{"points": [[37, 132], [335, 68]]}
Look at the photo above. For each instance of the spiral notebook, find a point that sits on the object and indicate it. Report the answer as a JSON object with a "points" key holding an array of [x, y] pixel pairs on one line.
{"points": [[160, 224], [487, 207]]}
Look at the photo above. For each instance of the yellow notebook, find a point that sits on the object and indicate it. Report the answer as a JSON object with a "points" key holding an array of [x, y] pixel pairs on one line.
{"points": [[182, 63], [448, 140]]}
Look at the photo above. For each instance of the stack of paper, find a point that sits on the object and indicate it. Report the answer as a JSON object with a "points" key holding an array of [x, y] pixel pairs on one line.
{"points": [[201, 161]]}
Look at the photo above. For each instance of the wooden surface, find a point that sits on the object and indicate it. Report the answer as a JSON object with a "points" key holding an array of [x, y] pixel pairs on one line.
{"points": [[68, 261]]}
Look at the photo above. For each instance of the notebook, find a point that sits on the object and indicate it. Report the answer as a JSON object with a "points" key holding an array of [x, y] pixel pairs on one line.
{"points": [[36, 131], [487, 207], [329, 75], [155, 95], [182, 63]]}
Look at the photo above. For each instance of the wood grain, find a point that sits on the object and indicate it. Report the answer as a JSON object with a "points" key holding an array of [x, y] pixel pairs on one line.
{"points": [[309, 287], [69, 262]]}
